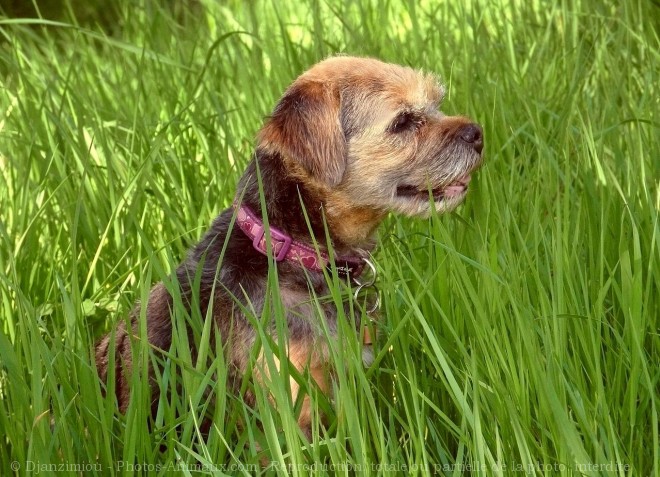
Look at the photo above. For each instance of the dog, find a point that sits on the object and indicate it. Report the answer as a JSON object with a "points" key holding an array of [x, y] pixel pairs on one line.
{"points": [[351, 140]]}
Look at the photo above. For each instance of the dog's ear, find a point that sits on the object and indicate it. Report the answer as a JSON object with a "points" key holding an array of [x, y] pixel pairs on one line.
{"points": [[305, 126]]}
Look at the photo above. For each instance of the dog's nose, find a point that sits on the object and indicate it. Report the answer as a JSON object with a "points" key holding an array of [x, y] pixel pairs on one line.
{"points": [[472, 134]]}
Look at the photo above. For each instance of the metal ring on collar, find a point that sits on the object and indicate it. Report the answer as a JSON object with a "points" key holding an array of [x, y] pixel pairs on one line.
{"points": [[374, 275]]}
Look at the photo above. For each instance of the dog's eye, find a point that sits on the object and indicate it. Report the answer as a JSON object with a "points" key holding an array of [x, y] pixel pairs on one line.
{"points": [[405, 122]]}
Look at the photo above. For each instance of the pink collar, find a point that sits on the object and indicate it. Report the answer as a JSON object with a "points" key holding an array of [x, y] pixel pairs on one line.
{"points": [[285, 248]]}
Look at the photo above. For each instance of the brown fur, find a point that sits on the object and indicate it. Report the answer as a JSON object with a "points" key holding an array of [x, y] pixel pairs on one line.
{"points": [[350, 138]]}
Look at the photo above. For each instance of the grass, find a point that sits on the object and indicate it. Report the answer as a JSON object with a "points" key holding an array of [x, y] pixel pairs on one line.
{"points": [[521, 333]]}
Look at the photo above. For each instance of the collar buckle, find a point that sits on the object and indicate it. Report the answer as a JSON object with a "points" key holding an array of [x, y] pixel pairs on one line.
{"points": [[285, 248], [280, 242]]}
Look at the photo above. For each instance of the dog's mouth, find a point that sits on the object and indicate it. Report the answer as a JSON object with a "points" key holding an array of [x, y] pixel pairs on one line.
{"points": [[455, 189]]}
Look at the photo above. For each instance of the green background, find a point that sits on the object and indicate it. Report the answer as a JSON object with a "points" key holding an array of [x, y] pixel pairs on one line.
{"points": [[520, 333]]}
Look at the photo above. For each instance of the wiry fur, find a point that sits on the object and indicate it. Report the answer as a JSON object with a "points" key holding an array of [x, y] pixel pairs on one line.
{"points": [[332, 144]]}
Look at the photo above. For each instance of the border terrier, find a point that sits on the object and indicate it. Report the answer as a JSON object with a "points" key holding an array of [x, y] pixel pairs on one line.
{"points": [[351, 140]]}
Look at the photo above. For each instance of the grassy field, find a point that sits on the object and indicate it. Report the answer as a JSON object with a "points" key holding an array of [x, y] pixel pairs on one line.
{"points": [[521, 333]]}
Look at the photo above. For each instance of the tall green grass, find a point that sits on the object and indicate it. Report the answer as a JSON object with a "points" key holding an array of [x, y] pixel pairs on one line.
{"points": [[520, 333]]}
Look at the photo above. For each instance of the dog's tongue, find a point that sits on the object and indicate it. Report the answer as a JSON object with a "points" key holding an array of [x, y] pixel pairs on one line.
{"points": [[457, 187]]}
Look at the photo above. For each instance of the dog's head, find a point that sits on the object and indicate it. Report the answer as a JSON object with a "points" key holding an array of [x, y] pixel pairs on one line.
{"points": [[372, 135]]}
